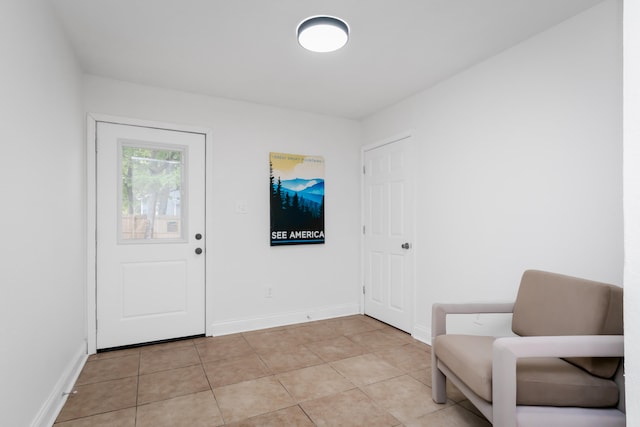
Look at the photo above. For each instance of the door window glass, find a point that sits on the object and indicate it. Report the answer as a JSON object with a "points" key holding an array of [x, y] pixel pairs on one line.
{"points": [[151, 193]]}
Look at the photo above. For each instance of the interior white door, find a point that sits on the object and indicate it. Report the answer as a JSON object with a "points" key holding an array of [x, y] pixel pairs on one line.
{"points": [[150, 221], [388, 233]]}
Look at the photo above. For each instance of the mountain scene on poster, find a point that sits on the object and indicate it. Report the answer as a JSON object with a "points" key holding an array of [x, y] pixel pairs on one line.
{"points": [[297, 204], [308, 189]]}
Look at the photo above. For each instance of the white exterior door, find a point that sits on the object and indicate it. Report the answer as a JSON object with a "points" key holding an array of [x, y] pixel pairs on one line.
{"points": [[150, 268], [388, 234]]}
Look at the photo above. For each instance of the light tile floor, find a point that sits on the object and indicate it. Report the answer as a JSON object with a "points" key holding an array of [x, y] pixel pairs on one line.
{"points": [[349, 371]]}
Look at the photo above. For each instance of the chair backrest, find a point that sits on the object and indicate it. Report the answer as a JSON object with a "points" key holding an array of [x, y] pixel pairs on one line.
{"points": [[554, 304]]}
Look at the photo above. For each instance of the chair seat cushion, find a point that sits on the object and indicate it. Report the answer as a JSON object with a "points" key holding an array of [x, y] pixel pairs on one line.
{"points": [[540, 381]]}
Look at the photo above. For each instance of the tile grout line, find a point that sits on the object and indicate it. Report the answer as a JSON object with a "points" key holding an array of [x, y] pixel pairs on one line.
{"points": [[224, 422], [135, 419]]}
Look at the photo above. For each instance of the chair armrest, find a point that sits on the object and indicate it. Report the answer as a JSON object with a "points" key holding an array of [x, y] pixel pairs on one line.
{"points": [[506, 352], [561, 346], [439, 313]]}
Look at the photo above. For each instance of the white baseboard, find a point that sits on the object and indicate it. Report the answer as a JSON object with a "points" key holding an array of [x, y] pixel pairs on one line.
{"points": [[421, 333], [57, 398], [281, 319]]}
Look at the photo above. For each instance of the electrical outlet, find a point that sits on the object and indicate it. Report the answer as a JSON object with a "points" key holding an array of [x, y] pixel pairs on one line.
{"points": [[268, 292]]}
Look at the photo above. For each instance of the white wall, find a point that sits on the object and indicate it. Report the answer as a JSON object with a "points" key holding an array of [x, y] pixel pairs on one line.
{"points": [[308, 280], [42, 238], [632, 207], [521, 162]]}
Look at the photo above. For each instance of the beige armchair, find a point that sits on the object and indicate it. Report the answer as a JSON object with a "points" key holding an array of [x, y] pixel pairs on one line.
{"points": [[564, 367]]}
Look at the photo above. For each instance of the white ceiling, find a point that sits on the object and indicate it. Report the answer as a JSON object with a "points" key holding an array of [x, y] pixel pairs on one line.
{"points": [[246, 49]]}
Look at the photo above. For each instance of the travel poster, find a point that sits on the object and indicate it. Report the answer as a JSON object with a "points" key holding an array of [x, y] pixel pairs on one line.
{"points": [[296, 185]]}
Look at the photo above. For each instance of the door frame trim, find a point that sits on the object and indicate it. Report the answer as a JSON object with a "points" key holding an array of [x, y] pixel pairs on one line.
{"points": [[407, 134], [91, 211]]}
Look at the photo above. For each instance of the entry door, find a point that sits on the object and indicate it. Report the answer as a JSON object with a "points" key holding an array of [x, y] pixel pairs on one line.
{"points": [[388, 234], [150, 234]]}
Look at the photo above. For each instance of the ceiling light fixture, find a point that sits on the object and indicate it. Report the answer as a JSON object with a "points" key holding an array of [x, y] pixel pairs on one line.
{"points": [[323, 33]]}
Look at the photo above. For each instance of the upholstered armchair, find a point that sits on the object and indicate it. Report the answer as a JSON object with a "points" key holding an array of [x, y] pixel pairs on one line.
{"points": [[564, 367]]}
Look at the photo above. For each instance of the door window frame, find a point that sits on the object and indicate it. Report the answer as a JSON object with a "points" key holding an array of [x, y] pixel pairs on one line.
{"points": [[91, 213]]}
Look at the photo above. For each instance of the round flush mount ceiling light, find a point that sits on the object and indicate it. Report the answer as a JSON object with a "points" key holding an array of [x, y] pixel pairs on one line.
{"points": [[323, 33]]}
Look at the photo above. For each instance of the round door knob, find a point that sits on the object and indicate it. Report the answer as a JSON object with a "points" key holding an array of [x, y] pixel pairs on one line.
{"points": [[198, 251], [198, 236], [406, 245]]}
